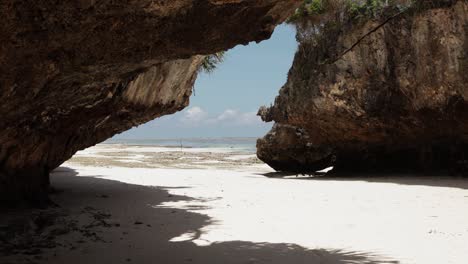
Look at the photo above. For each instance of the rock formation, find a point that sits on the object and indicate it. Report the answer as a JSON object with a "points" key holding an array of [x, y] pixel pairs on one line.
{"points": [[74, 73], [376, 96]]}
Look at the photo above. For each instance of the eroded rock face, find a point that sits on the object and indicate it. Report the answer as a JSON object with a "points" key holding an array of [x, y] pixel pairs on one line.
{"points": [[397, 101], [74, 73]]}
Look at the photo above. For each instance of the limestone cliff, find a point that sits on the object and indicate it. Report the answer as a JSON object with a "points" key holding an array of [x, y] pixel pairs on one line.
{"points": [[381, 95], [74, 73]]}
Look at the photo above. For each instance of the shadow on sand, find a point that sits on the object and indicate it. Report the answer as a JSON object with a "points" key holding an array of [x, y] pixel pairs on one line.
{"points": [[139, 230], [460, 182]]}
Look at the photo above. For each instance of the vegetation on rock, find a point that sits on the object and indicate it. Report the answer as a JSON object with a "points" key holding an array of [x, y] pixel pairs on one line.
{"points": [[359, 9], [211, 62]]}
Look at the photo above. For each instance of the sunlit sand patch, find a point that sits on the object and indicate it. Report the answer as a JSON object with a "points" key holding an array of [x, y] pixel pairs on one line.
{"points": [[208, 161], [325, 170], [241, 157], [184, 237], [129, 161], [409, 219]]}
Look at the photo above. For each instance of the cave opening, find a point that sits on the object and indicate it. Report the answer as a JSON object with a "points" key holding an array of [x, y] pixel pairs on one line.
{"points": [[383, 88], [225, 102], [222, 113]]}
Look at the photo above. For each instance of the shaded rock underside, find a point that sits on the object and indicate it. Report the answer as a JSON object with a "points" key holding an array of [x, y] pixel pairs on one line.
{"points": [[76, 73]]}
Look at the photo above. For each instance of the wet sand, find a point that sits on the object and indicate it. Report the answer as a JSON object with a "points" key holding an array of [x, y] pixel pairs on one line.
{"points": [[139, 204]]}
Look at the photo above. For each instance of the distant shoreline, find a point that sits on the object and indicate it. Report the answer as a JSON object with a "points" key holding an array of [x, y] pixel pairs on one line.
{"points": [[241, 143], [144, 145]]}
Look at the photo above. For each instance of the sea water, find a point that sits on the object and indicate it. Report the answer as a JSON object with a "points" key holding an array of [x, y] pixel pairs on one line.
{"points": [[244, 144]]}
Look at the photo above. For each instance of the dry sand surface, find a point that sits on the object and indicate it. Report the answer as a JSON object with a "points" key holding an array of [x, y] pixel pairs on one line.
{"points": [[121, 204]]}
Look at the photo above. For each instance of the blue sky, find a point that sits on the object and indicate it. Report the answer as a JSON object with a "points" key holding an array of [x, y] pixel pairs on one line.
{"points": [[226, 101]]}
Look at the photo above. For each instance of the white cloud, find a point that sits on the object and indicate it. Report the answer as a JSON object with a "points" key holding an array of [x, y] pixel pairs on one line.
{"points": [[193, 115], [197, 122], [229, 117], [236, 117]]}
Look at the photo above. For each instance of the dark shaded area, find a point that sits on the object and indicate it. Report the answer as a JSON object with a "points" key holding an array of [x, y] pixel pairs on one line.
{"points": [[448, 157], [286, 148], [144, 230]]}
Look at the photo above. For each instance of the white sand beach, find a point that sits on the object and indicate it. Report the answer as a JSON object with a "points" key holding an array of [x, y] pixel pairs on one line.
{"points": [[131, 204]]}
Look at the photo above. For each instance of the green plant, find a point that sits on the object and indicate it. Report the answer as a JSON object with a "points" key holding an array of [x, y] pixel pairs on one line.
{"points": [[367, 8], [317, 10], [211, 62], [311, 8]]}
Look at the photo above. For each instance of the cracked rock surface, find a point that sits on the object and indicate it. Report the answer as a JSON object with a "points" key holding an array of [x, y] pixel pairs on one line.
{"points": [[397, 101]]}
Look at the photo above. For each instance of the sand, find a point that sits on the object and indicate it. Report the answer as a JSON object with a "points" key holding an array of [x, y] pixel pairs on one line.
{"points": [[214, 206]]}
